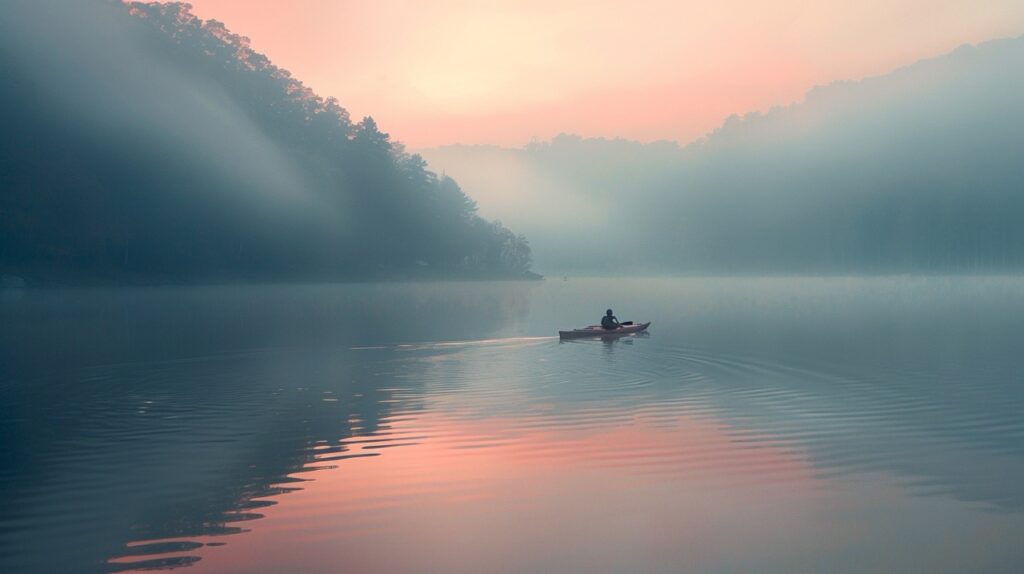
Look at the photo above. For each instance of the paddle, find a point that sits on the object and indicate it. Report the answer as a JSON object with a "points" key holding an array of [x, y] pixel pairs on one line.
{"points": [[626, 323]]}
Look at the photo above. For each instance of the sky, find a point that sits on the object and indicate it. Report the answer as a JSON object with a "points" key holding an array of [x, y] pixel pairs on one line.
{"points": [[436, 72]]}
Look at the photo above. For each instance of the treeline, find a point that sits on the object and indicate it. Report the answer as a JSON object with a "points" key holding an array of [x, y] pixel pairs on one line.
{"points": [[142, 142], [916, 171]]}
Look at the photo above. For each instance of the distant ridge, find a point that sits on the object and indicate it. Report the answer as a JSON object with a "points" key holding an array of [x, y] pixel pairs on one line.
{"points": [[915, 171]]}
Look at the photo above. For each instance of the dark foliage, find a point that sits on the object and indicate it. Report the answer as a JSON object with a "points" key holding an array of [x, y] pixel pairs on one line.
{"points": [[115, 167]]}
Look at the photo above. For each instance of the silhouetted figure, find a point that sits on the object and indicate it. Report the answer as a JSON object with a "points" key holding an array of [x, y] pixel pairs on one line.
{"points": [[609, 321]]}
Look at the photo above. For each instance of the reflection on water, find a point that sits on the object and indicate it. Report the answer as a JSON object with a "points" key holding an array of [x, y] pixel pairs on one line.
{"points": [[772, 425]]}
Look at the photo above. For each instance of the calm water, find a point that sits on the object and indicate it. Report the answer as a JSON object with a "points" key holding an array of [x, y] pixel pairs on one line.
{"points": [[764, 425]]}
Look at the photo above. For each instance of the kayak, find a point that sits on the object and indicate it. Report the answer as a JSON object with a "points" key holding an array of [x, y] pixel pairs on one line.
{"points": [[599, 331]]}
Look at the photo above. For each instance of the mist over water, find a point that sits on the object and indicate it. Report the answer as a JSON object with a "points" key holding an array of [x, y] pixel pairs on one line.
{"points": [[772, 425], [834, 387]]}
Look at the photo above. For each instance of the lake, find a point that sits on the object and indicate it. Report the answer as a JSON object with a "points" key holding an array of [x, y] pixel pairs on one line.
{"points": [[763, 425]]}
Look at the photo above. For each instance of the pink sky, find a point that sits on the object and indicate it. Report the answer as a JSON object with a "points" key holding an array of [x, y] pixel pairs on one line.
{"points": [[436, 72]]}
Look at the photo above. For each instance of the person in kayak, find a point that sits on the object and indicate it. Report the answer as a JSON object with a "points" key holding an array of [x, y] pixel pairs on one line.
{"points": [[609, 321]]}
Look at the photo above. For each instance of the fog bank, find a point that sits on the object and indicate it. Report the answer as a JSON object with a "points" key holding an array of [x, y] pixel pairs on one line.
{"points": [[915, 171]]}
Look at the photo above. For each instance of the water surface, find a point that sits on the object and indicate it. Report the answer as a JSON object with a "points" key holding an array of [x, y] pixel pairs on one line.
{"points": [[768, 425]]}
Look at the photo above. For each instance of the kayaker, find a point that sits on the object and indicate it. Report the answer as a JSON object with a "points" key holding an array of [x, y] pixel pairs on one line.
{"points": [[609, 321]]}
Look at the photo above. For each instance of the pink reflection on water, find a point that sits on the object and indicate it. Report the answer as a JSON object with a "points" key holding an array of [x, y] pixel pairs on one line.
{"points": [[458, 495]]}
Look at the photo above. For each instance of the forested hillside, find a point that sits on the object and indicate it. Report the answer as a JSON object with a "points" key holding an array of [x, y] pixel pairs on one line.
{"points": [[141, 143], [917, 171]]}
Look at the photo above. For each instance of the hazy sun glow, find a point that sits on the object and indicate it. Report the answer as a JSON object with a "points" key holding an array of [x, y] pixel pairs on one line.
{"points": [[446, 71]]}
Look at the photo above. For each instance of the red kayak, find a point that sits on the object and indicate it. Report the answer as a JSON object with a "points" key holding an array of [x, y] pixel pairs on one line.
{"points": [[599, 331]]}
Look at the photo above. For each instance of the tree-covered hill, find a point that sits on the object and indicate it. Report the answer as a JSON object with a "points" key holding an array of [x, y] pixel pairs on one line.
{"points": [[920, 170], [141, 143]]}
